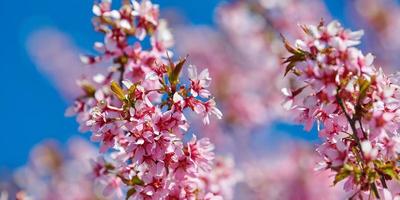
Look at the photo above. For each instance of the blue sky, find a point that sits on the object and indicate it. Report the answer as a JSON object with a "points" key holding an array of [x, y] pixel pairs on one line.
{"points": [[31, 109]]}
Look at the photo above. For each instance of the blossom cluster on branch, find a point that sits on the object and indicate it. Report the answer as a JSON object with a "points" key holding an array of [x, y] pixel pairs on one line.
{"points": [[136, 111], [249, 94], [139, 108], [356, 105], [53, 172]]}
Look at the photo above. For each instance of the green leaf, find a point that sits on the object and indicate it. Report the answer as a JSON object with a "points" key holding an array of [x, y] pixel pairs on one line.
{"points": [[130, 192], [340, 176], [88, 89], [289, 67], [343, 173], [390, 170], [174, 75], [372, 175], [293, 60], [289, 47], [364, 85], [136, 181], [117, 90], [131, 93]]}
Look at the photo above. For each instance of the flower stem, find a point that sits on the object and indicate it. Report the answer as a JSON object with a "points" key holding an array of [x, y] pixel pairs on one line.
{"points": [[352, 123]]}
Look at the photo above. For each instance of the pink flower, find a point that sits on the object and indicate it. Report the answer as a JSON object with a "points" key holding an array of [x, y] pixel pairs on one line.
{"points": [[387, 195], [137, 110], [101, 8], [356, 105], [200, 152], [147, 13], [163, 38], [211, 108], [199, 82]]}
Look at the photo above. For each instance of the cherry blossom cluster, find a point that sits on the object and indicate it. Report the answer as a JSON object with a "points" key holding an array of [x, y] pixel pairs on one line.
{"points": [[55, 174], [251, 53], [355, 104], [136, 111]]}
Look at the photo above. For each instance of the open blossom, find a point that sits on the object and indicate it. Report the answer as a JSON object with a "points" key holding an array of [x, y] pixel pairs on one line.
{"points": [[147, 14], [136, 111], [199, 82], [355, 104], [215, 184], [200, 151]]}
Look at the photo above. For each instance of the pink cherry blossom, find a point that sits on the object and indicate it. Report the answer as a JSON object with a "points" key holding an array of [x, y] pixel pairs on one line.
{"points": [[136, 111], [200, 152], [355, 105], [244, 55], [199, 82]]}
